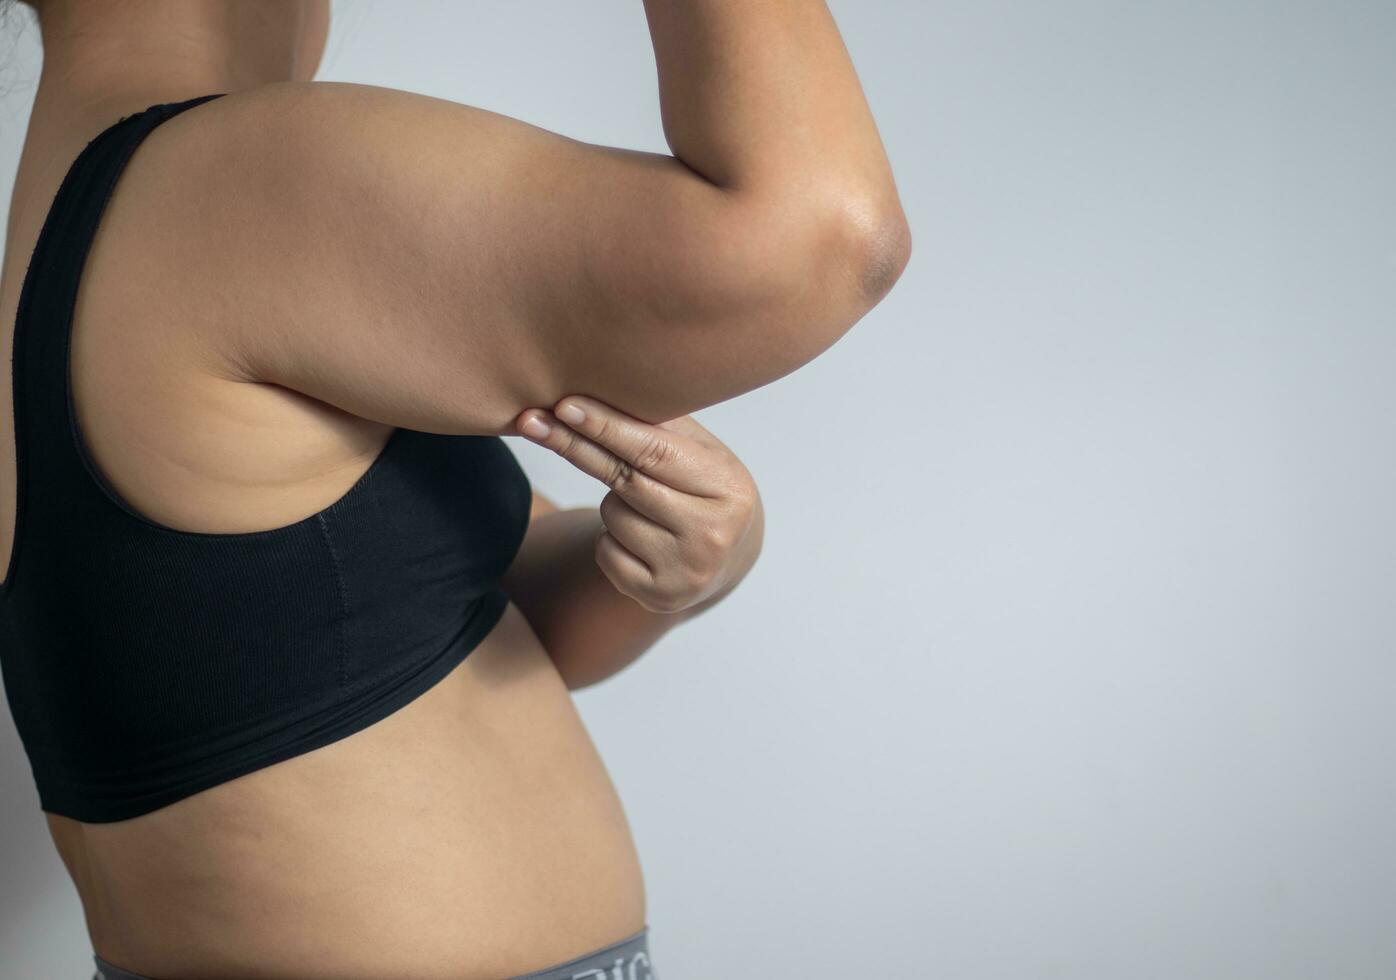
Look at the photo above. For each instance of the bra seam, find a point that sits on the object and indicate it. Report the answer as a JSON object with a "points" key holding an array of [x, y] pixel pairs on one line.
{"points": [[342, 653]]}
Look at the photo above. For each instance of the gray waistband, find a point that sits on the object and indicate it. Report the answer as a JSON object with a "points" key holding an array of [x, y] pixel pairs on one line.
{"points": [[628, 959]]}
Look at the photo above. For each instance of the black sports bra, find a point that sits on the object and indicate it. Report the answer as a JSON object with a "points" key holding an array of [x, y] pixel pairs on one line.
{"points": [[144, 664]]}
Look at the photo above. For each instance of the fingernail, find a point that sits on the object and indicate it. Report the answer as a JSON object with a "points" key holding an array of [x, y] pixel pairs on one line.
{"points": [[571, 414], [536, 427]]}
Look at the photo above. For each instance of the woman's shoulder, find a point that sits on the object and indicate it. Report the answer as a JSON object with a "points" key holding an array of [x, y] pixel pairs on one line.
{"points": [[309, 121]]}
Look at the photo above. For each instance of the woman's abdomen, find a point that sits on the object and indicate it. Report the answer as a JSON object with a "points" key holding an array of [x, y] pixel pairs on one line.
{"points": [[473, 833]]}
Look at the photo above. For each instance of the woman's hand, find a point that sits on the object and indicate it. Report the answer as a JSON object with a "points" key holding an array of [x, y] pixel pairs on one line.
{"points": [[680, 508]]}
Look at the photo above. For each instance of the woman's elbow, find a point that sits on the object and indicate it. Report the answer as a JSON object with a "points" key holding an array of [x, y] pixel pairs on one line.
{"points": [[768, 296], [880, 252], [840, 275], [867, 243]]}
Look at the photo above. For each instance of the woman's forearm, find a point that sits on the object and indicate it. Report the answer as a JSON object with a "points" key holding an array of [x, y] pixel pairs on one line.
{"points": [[590, 630], [761, 97]]}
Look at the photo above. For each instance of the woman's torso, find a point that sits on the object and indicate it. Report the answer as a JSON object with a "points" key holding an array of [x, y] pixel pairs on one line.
{"points": [[473, 833]]}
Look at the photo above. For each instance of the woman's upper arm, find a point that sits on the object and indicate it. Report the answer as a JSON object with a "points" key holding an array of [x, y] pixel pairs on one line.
{"points": [[441, 267]]}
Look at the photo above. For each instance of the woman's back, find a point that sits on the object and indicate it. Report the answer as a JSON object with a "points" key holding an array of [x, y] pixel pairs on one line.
{"points": [[281, 279]]}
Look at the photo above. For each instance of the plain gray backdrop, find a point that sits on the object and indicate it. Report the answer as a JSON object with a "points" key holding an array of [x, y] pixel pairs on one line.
{"points": [[1071, 649]]}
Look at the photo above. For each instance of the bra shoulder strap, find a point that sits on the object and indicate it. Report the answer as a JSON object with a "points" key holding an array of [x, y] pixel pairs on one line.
{"points": [[53, 470]]}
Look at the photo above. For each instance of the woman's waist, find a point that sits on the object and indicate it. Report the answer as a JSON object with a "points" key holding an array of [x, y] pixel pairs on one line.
{"points": [[395, 901], [478, 820]]}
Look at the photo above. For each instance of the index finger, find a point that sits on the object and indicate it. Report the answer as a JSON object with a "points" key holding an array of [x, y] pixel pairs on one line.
{"points": [[671, 457]]}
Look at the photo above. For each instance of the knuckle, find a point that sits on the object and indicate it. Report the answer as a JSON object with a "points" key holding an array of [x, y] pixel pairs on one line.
{"points": [[569, 445], [600, 427], [665, 602], [670, 592], [743, 494], [717, 538], [741, 489], [699, 579], [653, 451], [622, 474]]}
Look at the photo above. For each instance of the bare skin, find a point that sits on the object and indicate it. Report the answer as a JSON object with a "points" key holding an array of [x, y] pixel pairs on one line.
{"points": [[475, 833]]}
